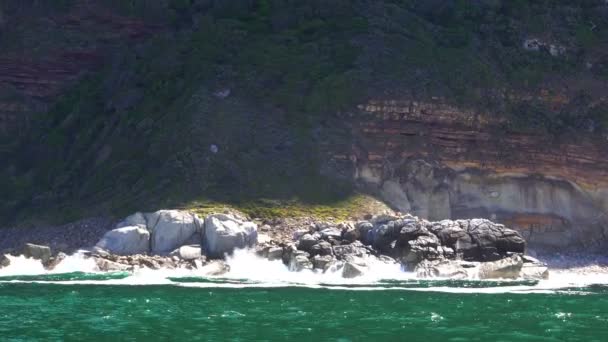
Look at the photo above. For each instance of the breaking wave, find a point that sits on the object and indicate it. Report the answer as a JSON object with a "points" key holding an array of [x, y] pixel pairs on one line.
{"points": [[249, 270]]}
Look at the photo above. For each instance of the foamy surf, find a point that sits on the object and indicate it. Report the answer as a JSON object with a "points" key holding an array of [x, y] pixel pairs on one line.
{"points": [[247, 270]]}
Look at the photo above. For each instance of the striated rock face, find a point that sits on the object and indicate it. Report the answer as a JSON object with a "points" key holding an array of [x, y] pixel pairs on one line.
{"points": [[439, 161]]}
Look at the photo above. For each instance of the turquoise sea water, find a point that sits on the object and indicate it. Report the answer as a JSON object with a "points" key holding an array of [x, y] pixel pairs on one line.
{"points": [[62, 307]]}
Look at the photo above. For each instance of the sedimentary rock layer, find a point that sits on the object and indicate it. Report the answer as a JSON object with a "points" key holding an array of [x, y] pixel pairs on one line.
{"points": [[440, 161]]}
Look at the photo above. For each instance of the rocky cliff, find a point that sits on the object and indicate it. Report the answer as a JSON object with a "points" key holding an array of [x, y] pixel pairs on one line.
{"points": [[444, 108], [439, 160]]}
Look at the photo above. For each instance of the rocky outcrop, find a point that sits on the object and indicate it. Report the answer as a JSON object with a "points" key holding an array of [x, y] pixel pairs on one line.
{"points": [[413, 240], [179, 233], [38, 252], [462, 249], [224, 233], [475, 248]]}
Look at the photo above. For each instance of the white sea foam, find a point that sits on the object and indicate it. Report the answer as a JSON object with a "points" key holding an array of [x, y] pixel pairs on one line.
{"points": [[245, 264], [249, 270], [21, 265]]}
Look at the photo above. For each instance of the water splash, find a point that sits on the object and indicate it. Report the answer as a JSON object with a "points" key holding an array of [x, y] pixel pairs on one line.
{"points": [[245, 264], [249, 270]]}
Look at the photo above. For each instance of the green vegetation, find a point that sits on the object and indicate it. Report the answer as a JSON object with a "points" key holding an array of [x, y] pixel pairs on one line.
{"points": [[136, 135], [352, 206]]}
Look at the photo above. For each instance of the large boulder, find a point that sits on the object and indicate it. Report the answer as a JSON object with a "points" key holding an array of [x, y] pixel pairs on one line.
{"points": [[299, 261], [189, 252], [355, 249], [38, 252], [365, 231], [171, 229], [321, 248], [494, 240], [225, 233], [322, 262], [306, 242], [424, 247], [126, 241]]}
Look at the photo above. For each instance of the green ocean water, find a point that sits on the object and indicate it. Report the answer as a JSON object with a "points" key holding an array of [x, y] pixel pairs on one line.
{"points": [[216, 311]]}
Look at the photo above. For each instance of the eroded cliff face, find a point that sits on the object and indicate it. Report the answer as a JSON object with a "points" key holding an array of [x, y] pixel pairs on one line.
{"points": [[439, 161]]}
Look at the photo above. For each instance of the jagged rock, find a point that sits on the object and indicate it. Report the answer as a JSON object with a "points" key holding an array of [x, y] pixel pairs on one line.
{"points": [[306, 242], [42, 253], [449, 232], [411, 230], [494, 240], [425, 247], [354, 249], [352, 234], [299, 233], [149, 263], [383, 238], [275, 253], [321, 248], [224, 233], [171, 229], [447, 252], [331, 233], [4, 261], [441, 269], [505, 268], [365, 231], [299, 261], [105, 265], [322, 261], [126, 241], [55, 261], [352, 270]]}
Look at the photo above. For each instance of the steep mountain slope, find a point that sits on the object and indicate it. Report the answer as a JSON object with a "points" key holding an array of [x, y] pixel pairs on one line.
{"points": [[445, 108]]}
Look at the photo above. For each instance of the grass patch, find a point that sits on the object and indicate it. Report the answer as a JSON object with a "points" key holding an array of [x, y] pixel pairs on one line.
{"points": [[353, 206]]}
